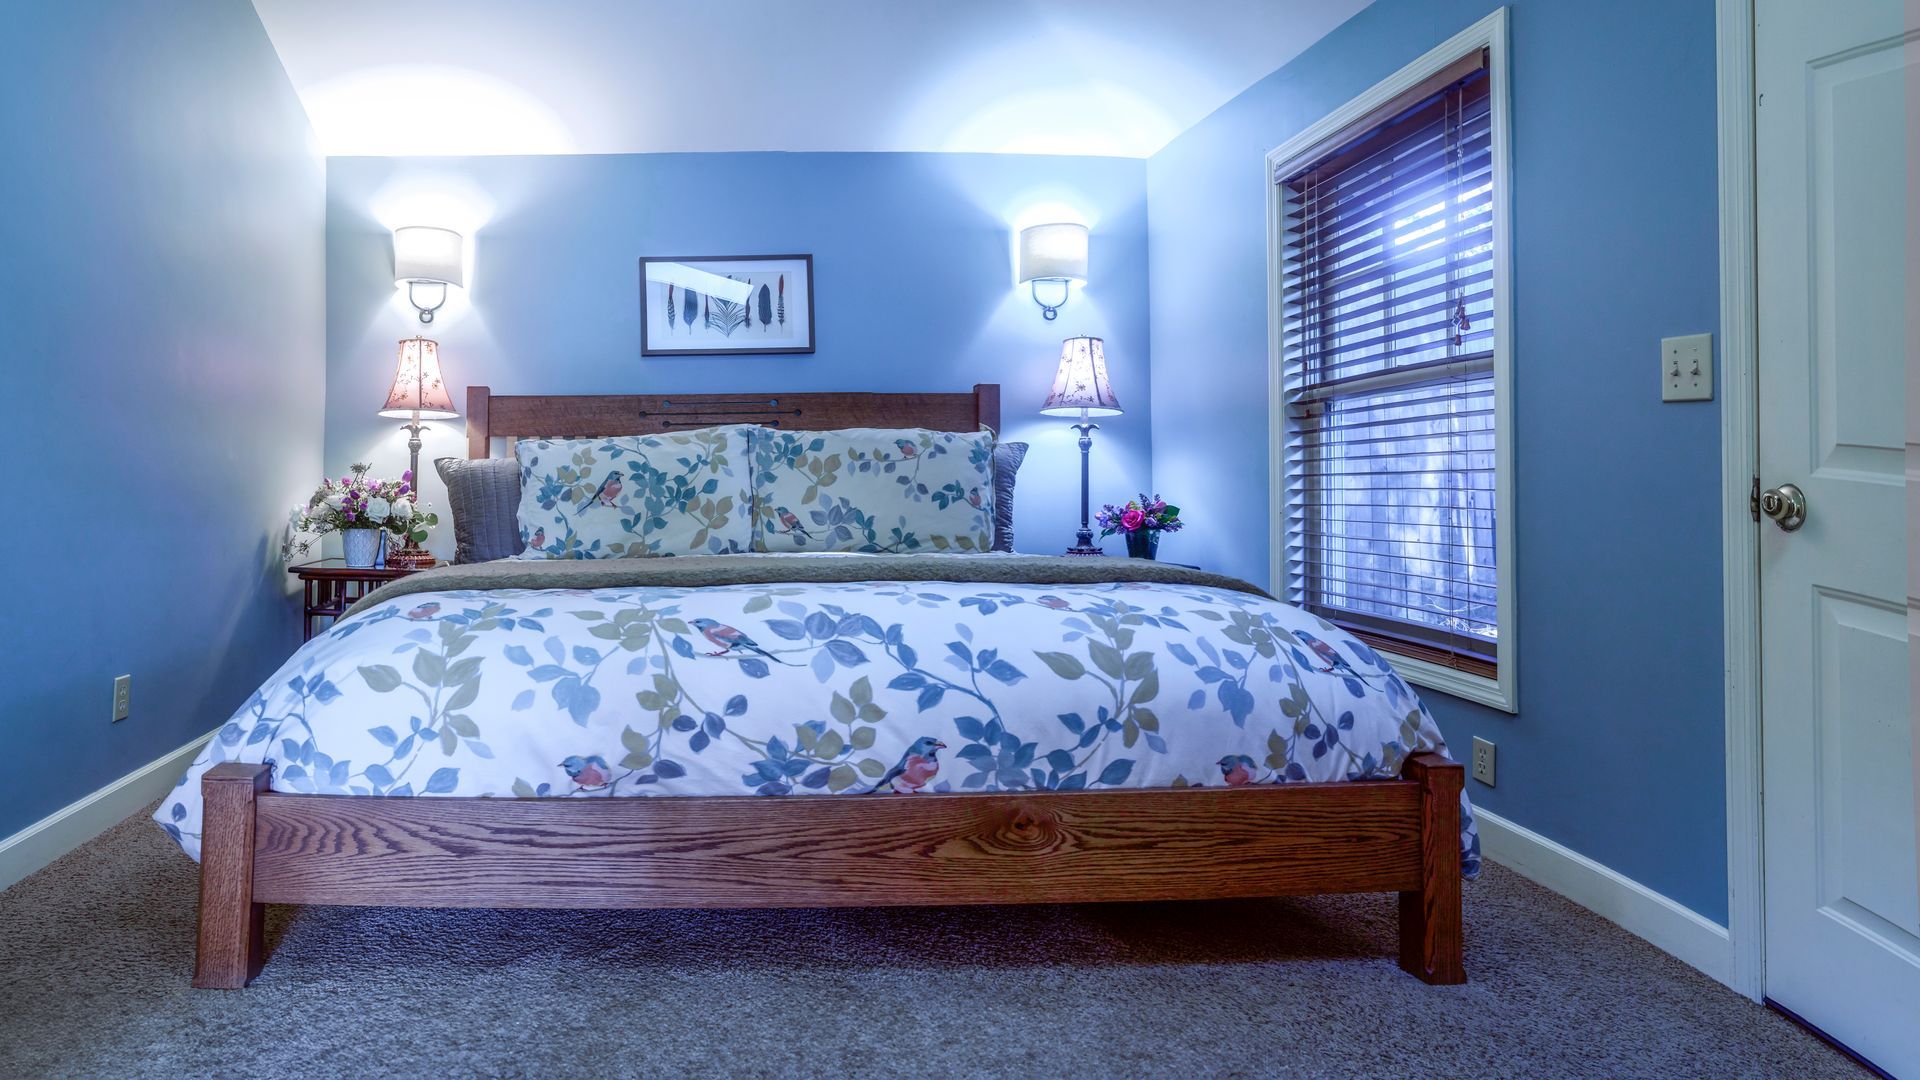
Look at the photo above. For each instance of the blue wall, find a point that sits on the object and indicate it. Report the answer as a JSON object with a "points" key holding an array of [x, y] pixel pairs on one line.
{"points": [[1618, 749], [913, 280], [160, 378], [161, 323]]}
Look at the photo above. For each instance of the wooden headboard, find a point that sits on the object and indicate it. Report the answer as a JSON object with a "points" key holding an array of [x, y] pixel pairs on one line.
{"points": [[527, 416]]}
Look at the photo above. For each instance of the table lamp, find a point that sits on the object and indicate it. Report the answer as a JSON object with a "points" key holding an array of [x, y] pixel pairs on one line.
{"points": [[418, 394], [1081, 386]]}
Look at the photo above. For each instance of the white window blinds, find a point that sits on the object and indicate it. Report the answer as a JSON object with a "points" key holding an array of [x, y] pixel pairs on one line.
{"points": [[1388, 367]]}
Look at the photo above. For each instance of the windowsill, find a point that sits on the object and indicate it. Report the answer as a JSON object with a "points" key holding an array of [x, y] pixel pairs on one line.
{"points": [[1496, 692]]}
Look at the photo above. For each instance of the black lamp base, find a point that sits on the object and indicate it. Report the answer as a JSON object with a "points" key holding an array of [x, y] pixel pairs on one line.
{"points": [[1083, 539]]}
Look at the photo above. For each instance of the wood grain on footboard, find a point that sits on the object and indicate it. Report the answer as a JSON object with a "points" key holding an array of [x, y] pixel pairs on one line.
{"points": [[827, 851], [1399, 836]]}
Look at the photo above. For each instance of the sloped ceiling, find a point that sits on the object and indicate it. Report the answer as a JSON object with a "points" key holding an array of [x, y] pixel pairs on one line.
{"points": [[1111, 77]]}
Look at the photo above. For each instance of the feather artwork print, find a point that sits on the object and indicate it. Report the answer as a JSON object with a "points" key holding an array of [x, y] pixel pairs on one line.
{"points": [[670, 307], [782, 309], [766, 306], [686, 312], [726, 316]]}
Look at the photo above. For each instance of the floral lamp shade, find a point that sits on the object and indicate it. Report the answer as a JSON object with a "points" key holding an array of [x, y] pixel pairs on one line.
{"points": [[418, 389], [1081, 383]]}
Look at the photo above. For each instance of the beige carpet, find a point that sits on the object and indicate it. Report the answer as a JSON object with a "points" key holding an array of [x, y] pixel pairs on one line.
{"points": [[95, 953]]}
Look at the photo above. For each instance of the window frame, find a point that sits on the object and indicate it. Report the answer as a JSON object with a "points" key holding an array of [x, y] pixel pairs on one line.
{"points": [[1502, 691]]}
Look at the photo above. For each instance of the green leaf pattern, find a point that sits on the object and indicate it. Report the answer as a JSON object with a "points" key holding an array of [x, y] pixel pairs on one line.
{"points": [[873, 490], [821, 689], [682, 493]]}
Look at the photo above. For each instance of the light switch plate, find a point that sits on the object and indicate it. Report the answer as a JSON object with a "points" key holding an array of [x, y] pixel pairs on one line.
{"points": [[1483, 761], [1686, 368]]}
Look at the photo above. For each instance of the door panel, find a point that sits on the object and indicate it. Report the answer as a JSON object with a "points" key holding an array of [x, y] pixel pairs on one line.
{"points": [[1836, 199], [1865, 844], [1859, 172]]}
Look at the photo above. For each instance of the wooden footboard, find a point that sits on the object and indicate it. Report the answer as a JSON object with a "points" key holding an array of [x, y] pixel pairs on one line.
{"points": [[261, 847]]}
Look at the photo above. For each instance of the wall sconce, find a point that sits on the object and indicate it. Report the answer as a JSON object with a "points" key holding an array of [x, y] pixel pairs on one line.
{"points": [[426, 256], [1057, 255]]}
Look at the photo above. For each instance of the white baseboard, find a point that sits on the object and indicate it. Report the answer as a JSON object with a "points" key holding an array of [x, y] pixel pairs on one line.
{"points": [[1671, 926], [70, 826]]}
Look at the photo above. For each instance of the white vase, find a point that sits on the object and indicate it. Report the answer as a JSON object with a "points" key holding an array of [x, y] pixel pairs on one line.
{"points": [[361, 547]]}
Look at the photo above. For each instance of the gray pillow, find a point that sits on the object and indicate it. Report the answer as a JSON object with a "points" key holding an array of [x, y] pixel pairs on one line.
{"points": [[484, 497], [1007, 457]]}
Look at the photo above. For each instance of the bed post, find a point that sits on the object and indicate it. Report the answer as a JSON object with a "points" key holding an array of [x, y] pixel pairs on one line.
{"points": [[1430, 945], [478, 440], [231, 946], [986, 405]]}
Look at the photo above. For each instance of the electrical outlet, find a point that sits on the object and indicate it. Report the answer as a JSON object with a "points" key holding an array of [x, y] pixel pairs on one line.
{"points": [[122, 698], [1483, 761], [1686, 368]]}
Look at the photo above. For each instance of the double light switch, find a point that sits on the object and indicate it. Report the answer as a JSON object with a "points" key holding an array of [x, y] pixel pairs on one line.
{"points": [[1686, 368]]}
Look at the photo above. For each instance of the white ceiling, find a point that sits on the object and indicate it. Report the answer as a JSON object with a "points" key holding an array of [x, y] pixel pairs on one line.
{"points": [[1113, 77]]}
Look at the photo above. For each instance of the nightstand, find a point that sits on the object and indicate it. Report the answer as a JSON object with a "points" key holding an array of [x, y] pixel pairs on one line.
{"points": [[1163, 562], [332, 587]]}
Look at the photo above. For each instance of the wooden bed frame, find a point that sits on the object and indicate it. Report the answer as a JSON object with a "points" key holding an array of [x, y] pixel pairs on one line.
{"points": [[263, 847]]}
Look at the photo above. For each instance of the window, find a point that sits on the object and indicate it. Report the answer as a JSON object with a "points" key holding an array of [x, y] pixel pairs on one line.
{"points": [[1393, 471]]}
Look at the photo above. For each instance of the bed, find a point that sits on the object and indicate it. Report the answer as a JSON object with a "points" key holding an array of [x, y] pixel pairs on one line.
{"points": [[818, 730]]}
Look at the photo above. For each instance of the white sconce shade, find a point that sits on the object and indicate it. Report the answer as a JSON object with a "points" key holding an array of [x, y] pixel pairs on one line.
{"points": [[1081, 384], [1055, 252], [424, 253], [418, 391]]}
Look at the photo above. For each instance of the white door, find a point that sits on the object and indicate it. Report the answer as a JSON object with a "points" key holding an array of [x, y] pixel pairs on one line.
{"points": [[1839, 288]]}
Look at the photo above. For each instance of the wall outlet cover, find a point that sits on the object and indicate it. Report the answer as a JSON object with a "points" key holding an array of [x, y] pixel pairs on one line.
{"points": [[1483, 761], [122, 698]]}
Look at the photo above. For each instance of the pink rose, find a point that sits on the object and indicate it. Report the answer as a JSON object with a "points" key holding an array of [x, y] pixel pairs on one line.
{"points": [[1132, 519]]}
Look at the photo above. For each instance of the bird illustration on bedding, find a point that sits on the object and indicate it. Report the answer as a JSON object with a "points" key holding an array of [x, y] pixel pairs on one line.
{"points": [[878, 689]]}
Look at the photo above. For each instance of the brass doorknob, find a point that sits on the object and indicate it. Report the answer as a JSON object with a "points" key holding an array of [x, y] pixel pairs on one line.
{"points": [[1786, 505]]}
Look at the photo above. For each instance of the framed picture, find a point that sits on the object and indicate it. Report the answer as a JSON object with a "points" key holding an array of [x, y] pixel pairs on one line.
{"points": [[726, 305]]}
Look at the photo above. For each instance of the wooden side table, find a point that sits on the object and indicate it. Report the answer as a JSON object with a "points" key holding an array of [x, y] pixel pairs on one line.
{"points": [[332, 587]]}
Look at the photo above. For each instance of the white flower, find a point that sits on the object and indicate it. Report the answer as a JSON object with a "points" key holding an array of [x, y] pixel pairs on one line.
{"points": [[336, 500], [378, 509], [402, 511]]}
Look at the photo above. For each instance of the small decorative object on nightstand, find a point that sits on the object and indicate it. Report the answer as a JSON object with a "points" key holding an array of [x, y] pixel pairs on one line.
{"points": [[365, 512], [1081, 386], [332, 587], [1141, 521]]}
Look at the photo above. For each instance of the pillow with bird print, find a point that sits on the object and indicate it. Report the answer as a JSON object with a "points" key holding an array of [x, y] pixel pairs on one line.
{"points": [[892, 490], [633, 496]]}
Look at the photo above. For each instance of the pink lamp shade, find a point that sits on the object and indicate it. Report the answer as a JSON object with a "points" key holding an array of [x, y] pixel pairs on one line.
{"points": [[1081, 383], [417, 386]]}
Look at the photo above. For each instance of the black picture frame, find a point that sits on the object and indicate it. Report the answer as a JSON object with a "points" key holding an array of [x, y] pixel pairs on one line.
{"points": [[659, 328]]}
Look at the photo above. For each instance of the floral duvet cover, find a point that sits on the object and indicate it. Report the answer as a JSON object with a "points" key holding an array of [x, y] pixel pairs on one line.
{"points": [[829, 688]]}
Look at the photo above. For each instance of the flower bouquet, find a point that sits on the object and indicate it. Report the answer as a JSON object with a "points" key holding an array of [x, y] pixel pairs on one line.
{"points": [[1141, 521], [363, 511]]}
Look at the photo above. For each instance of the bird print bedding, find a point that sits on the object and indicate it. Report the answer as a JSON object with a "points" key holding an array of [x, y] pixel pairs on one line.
{"points": [[881, 677]]}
